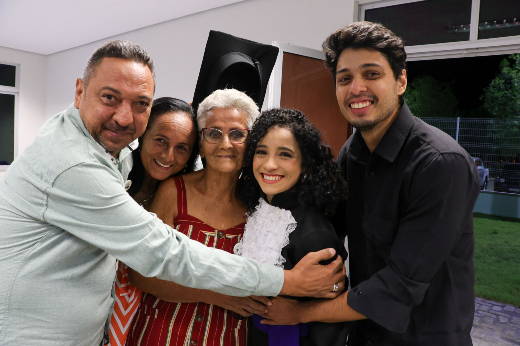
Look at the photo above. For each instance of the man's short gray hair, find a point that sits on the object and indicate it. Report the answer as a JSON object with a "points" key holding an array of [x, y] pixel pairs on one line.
{"points": [[228, 99], [117, 49]]}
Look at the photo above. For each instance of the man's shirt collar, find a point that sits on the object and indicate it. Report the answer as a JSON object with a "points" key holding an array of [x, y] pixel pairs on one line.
{"points": [[394, 138], [74, 116], [392, 141], [358, 148], [128, 149]]}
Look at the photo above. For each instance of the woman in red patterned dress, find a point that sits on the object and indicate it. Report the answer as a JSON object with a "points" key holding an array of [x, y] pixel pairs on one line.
{"points": [[167, 147], [203, 206]]}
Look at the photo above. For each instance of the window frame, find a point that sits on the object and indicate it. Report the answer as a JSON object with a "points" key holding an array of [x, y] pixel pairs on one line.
{"points": [[472, 48], [13, 91]]}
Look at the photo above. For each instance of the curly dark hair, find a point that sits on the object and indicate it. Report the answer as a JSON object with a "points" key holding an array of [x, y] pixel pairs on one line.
{"points": [[366, 35], [320, 186], [160, 106]]}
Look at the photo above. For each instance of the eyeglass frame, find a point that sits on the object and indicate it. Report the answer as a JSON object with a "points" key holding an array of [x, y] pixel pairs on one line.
{"points": [[223, 134]]}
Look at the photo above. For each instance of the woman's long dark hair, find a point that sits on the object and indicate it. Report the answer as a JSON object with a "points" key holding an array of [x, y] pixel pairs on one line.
{"points": [[320, 184], [160, 106]]}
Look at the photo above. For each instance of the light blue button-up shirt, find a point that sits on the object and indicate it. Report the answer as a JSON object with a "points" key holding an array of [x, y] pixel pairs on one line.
{"points": [[65, 218]]}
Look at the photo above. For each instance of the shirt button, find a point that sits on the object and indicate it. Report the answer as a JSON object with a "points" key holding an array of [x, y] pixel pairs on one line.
{"points": [[354, 289], [369, 208], [369, 342], [372, 173], [359, 293], [199, 318], [220, 235], [193, 342]]}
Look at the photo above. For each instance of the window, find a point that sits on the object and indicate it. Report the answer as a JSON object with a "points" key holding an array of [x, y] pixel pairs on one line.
{"points": [[441, 22], [462, 56], [6, 129], [9, 77], [499, 18], [425, 22]]}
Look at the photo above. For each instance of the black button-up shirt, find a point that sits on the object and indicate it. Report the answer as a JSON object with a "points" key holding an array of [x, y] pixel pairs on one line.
{"points": [[409, 224]]}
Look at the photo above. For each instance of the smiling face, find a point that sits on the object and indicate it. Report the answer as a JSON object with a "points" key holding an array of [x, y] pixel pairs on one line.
{"points": [[225, 156], [277, 163], [366, 89], [116, 103], [167, 145]]}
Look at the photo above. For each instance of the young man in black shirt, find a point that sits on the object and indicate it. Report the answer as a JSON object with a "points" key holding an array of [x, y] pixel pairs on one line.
{"points": [[409, 214]]}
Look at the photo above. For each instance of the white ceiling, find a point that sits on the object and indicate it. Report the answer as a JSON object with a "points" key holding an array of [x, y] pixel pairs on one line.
{"points": [[51, 26]]}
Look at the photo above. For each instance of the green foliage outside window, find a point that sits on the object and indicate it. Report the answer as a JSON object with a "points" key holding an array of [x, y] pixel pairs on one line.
{"points": [[502, 100], [502, 96], [428, 97]]}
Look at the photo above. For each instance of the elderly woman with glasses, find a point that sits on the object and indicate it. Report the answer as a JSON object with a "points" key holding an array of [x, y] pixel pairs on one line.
{"points": [[203, 206]]}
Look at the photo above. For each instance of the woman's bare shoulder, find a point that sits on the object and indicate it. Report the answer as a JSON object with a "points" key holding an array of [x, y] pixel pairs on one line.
{"points": [[166, 189], [164, 204], [192, 177]]}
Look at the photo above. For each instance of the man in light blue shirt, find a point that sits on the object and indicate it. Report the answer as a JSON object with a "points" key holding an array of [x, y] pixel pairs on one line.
{"points": [[65, 218]]}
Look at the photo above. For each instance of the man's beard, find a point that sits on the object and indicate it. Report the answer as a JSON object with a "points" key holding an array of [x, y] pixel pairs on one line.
{"points": [[110, 148], [366, 125]]}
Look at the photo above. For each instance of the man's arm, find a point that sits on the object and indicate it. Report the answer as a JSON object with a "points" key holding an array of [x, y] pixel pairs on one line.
{"points": [[286, 311], [89, 202], [175, 293]]}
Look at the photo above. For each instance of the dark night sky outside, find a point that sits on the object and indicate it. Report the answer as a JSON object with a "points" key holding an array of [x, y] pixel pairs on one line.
{"points": [[469, 75]]}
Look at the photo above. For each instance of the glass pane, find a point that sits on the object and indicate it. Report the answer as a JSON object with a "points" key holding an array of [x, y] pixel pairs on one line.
{"points": [[440, 90], [426, 22], [499, 18], [6, 129], [7, 75]]}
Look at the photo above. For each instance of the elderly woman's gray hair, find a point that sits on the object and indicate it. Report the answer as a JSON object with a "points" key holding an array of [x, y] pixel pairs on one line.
{"points": [[228, 99]]}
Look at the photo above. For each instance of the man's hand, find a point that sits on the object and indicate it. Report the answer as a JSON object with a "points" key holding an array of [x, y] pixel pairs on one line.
{"points": [[308, 278], [283, 311]]}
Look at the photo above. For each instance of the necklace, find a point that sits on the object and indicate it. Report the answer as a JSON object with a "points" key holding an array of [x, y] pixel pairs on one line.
{"points": [[143, 202]]}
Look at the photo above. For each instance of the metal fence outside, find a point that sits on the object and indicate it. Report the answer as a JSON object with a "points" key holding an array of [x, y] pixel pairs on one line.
{"points": [[495, 141]]}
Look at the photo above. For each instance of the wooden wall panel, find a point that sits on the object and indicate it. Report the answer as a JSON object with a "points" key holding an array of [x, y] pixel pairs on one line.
{"points": [[309, 87]]}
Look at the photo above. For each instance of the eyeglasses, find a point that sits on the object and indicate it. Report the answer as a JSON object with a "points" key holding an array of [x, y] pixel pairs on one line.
{"points": [[215, 136]]}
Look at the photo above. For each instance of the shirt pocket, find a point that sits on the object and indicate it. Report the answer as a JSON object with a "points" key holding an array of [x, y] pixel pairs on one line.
{"points": [[381, 233]]}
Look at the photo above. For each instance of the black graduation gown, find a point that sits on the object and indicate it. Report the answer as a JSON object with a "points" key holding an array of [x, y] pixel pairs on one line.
{"points": [[313, 232]]}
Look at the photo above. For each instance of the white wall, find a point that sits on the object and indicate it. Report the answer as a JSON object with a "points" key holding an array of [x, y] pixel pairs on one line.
{"points": [[47, 82], [177, 46], [32, 95]]}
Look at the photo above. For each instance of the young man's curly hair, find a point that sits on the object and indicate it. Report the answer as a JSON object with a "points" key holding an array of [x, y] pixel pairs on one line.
{"points": [[320, 184]]}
